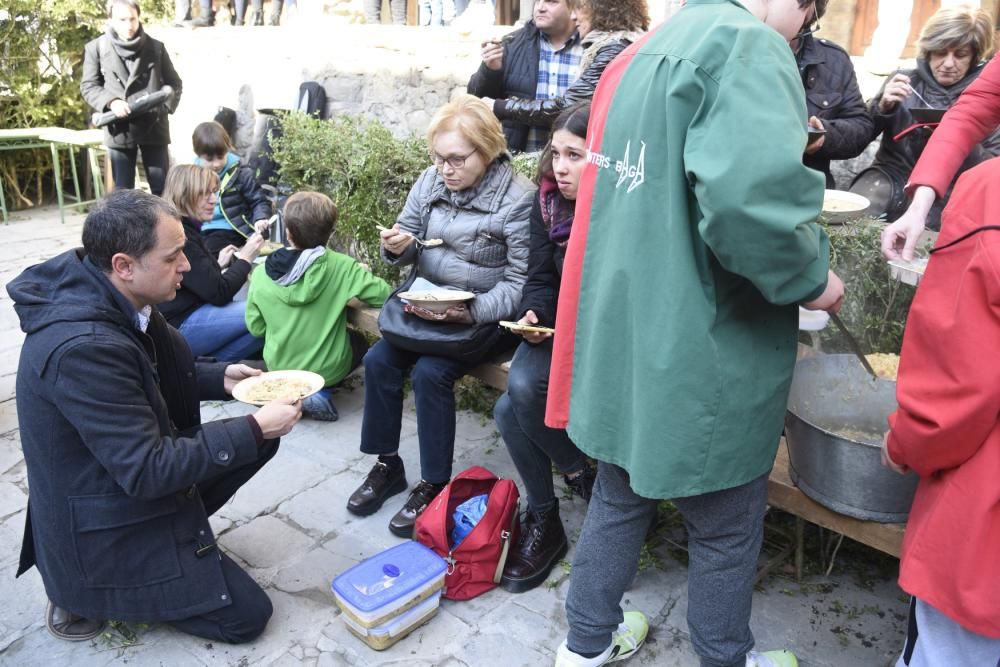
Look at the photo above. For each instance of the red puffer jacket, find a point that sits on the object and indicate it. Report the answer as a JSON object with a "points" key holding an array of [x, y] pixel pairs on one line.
{"points": [[946, 427], [974, 117]]}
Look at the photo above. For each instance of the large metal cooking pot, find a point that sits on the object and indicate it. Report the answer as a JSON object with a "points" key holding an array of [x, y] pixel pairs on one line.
{"points": [[834, 425]]}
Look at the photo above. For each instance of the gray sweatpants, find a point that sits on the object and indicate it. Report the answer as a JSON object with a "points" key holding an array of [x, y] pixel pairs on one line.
{"points": [[725, 529], [934, 640]]}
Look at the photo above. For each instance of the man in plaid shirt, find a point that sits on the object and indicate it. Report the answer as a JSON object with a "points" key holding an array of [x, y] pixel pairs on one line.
{"points": [[539, 61]]}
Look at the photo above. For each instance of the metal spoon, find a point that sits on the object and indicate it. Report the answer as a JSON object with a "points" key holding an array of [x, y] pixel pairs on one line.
{"points": [[920, 97], [853, 342]]}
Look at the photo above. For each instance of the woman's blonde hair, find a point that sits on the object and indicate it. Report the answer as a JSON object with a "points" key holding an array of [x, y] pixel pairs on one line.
{"points": [[957, 27], [471, 117], [186, 184]]}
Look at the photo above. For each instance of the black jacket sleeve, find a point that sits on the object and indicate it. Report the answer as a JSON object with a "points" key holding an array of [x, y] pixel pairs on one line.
{"points": [[170, 78], [258, 206], [486, 82], [92, 80], [544, 112], [852, 129], [541, 288], [207, 281]]}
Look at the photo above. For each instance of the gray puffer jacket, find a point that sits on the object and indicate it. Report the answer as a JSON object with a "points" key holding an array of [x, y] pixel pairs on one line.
{"points": [[485, 233]]}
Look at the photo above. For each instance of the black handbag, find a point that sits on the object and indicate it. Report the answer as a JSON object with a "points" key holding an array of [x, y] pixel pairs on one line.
{"points": [[470, 343]]}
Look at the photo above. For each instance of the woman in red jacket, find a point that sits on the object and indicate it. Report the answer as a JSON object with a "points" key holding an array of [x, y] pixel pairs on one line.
{"points": [[947, 430], [974, 116]]}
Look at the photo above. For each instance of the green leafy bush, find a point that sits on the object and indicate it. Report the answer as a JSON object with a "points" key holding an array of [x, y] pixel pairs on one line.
{"points": [[361, 166], [875, 305], [41, 57]]}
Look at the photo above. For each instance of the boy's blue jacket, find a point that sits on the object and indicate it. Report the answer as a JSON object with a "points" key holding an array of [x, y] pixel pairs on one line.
{"points": [[239, 196]]}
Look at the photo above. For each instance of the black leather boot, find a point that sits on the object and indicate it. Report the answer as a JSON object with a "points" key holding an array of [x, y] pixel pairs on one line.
{"points": [[382, 482], [423, 493], [542, 544]]}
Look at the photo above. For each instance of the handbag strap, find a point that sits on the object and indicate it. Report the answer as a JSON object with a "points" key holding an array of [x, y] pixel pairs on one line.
{"points": [[505, 536]]}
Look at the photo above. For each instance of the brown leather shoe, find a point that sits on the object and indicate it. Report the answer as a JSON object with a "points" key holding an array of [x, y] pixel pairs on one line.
{"points": [[542, 544], [382, 482], [423, 493], [69, 626]]}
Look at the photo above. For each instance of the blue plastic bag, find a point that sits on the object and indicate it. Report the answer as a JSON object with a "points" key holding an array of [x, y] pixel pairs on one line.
{"points": [[466, 516]]}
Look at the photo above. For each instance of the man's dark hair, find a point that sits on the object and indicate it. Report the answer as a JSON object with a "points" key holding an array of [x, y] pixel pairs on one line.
{"points": [[123, 221], [310, 218]]}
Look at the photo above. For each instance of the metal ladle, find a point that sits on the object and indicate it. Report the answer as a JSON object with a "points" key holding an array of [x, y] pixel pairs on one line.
{"points": [[853, 342]]}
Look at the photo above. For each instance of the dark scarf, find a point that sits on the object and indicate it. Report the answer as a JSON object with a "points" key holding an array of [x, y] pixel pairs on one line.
{"points": [[127, 49], [557, 211]]}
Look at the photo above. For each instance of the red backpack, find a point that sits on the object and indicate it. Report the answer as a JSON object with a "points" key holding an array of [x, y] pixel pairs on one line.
{"points": [[476, 564]]}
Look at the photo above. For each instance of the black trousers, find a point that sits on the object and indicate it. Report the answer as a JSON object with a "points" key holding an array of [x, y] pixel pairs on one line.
{"points": [[245, 619], [155, 158]]}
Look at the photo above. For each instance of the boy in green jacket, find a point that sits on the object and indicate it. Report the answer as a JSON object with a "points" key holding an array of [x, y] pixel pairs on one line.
{"points": [[298, 303], [693, 244]]}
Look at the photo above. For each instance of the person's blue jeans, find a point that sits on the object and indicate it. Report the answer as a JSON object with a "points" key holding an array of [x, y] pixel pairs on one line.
{"points": [[220, 332], [433, 380], [520, 418]]}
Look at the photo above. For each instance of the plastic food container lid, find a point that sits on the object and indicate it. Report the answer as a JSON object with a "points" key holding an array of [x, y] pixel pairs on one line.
{"points": [[389, 577]]}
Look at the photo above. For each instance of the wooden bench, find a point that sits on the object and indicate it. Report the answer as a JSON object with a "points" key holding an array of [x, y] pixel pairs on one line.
{"points": [[782, 493]]}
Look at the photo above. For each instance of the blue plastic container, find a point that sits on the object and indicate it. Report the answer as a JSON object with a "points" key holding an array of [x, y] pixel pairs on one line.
{"points": [[376, 595]]}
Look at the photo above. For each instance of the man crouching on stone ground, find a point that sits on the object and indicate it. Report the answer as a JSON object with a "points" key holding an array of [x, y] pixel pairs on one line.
{"points": [[122, 473], [677, 314]]}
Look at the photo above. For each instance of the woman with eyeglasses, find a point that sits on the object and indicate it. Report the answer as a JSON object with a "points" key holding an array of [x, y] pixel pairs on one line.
{"points": [[213, 324], [472, 199], [952, 49], [837, 111]]}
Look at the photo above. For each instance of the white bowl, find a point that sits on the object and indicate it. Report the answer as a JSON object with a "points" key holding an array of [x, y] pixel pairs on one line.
{"points": [[437, 300], [840, 205]]}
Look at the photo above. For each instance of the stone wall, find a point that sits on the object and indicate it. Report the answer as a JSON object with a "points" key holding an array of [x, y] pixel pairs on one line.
{"points": [[400, 75]]}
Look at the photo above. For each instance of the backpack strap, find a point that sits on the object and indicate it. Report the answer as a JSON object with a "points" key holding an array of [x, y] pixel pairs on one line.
{"points": [[505, 536]]}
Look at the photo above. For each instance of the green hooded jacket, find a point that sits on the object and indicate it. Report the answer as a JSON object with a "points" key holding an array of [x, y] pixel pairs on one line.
{"points": [[304, 324]]}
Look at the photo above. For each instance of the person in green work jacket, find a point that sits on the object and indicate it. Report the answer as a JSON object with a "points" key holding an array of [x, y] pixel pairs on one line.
{"points": [[693, 244]]}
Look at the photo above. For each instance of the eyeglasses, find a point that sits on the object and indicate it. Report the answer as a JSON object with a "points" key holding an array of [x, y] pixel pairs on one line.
{"points": [[454, 161]]}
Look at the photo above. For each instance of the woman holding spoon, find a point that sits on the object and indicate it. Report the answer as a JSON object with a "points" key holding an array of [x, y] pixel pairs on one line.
{"points": [[473, 201], [952, 49]]}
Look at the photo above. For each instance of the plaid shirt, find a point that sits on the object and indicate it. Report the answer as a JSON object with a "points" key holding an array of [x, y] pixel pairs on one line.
{"points": [[556, 71]]}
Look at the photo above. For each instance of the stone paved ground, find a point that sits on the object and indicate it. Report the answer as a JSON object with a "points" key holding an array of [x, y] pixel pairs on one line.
{"points": [[288, 526]]}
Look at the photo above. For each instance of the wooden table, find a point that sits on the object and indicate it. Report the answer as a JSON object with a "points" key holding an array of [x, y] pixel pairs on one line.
{"points": [[784, 495]]}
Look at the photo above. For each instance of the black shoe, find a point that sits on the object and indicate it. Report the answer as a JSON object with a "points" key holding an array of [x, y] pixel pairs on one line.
{"points": [[69, 626], [583, 484], [423, 493], [542, 544], [382, 482]]}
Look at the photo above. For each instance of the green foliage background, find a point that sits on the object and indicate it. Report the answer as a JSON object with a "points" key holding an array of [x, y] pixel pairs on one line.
{"points": [[41, 57]]}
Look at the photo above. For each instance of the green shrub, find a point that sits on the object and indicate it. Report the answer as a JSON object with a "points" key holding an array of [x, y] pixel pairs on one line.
{"points": [[875, 305], [41, 59], [361, 166]]}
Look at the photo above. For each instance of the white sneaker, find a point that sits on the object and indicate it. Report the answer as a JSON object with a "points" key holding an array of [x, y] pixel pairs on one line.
{"points": [[625, 641], [772, 659]]}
